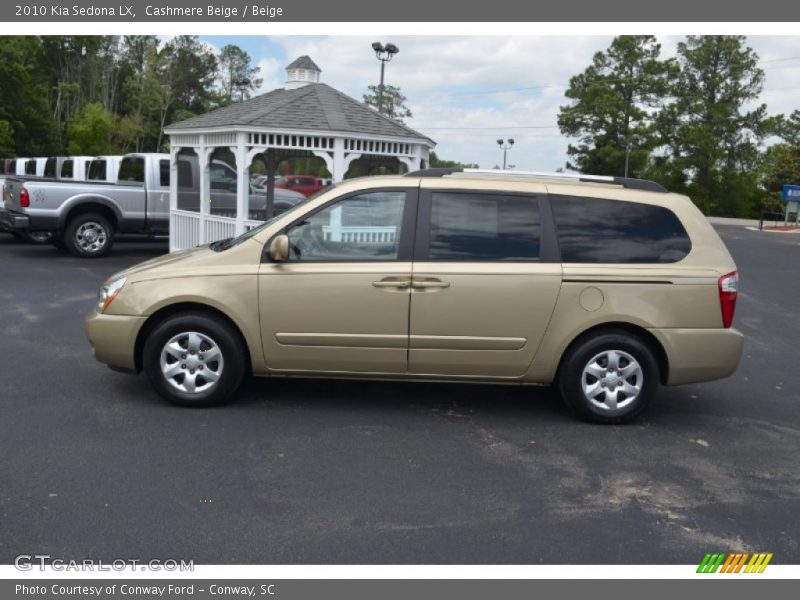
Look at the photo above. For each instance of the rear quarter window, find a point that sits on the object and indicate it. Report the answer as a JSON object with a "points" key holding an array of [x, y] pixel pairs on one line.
{"points": [[594, 230]]}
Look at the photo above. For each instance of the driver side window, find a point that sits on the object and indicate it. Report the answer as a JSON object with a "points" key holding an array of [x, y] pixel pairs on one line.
{"points": [[363, 227]]}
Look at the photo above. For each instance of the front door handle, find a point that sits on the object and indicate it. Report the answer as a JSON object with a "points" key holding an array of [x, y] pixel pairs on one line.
{"points": [[392, 283], [435, 283]]}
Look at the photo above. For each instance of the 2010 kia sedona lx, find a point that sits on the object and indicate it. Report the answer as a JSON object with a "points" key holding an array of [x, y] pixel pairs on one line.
{"points": [[607, 287]]}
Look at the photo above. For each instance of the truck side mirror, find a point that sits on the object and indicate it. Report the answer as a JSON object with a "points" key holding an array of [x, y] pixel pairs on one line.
{"points": [[279, 248]]}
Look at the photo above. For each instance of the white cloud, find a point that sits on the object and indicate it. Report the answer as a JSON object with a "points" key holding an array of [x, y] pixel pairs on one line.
{"points": [[445, 79]]}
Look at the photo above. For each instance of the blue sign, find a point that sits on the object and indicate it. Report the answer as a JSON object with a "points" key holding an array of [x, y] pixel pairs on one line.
{"points": [[791, 193]]}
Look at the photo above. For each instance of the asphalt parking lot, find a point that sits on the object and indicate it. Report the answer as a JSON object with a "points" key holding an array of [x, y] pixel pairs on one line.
{"points": [[94, 465]]}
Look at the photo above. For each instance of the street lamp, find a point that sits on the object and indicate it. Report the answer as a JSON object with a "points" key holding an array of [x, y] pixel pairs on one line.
{"points": [[383, 53], [505, 147], [627, 157]]}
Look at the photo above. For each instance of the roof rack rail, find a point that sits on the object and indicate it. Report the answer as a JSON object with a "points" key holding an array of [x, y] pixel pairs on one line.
{"points": [[626, 182]]}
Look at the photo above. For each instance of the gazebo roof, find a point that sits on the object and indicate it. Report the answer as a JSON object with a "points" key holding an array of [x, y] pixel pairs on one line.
{"points": [[304, 62], [316, 107]]}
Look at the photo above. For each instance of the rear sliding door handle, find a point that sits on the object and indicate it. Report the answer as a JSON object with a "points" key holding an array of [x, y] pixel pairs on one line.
{"points": [[430, 284]]}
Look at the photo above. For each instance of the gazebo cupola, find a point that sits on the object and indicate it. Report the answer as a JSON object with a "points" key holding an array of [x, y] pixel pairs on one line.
{"points": [[307, 122], [301, 72]]}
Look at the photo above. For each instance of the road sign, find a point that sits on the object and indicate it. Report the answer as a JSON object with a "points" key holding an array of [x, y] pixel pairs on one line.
{"points": [[791, 193]]}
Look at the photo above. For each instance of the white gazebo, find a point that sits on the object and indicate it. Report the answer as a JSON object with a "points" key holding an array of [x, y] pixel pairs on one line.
{"points": [[305, 118]]}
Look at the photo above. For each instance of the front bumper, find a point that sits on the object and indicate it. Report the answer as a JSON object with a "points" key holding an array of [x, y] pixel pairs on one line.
{"points": [[113, 339], [11, 221], [696, 355]]}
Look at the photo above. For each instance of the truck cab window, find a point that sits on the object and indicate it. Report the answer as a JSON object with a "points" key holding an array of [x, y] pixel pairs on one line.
{"points": [[163, 172]]}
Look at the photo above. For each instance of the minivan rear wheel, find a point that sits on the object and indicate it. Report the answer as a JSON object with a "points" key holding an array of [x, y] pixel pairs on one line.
{"points": [[609, 377], [194, 359]]}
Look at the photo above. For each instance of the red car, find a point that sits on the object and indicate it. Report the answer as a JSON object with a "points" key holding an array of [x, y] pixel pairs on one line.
{"points": [[305, 184]]}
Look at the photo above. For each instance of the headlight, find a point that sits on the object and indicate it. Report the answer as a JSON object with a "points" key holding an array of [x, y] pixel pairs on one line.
{"points": [[108, 292]]}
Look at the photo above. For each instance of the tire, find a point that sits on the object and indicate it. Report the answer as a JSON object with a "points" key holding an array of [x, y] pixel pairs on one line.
{"points": [[593, 392], [171, 358], [89, 235]]}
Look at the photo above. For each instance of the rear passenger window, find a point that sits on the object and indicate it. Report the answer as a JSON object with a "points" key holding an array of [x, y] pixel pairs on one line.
{"points": [[30, 167], [484, 227], [592, 230]]}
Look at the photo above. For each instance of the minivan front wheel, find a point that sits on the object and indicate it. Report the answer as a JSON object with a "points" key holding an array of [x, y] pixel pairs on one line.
{"points": [[609, 378], [194, 359]]}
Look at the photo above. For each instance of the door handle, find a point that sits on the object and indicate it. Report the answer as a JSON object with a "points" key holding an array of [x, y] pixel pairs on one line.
{"points": [[391, 283], [430, 284]]}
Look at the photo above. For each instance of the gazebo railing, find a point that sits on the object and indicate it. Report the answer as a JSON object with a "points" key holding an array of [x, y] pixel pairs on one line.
{"points": [[360, 234], [185, 228]]}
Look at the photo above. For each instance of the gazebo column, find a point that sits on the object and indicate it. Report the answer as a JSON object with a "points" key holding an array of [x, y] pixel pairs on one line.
{"points": [[271, 165], [242, 183], [339, 168], [411, 162], [173, 194], [204, 183]]}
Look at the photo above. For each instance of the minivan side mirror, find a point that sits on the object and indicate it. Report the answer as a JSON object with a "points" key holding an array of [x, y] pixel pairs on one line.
{"points": [[279, 248]]}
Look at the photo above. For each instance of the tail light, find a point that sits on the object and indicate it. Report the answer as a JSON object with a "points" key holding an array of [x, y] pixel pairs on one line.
{"points": [[24, 198], [728, 290]]}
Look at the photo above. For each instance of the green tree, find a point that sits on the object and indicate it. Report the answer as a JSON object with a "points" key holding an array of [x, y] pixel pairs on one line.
{"points": [[389, 102], [6, 139], [91, 130], [435, 162], [238, 77], [23, 99], [614, 104], [192, 70], [714, 139]]}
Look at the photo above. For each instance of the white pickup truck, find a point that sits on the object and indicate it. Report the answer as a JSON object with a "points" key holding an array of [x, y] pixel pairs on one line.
{"points": [[84, 216]]}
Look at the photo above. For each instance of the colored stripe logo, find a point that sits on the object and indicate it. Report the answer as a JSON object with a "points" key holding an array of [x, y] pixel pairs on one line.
{"points": [[734, 562]]}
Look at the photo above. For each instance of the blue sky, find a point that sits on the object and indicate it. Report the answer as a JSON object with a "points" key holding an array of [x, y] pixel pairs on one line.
{"points": [[468, 91]]}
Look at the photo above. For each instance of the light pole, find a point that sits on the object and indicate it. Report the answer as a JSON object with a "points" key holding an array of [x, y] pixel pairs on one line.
{"points": [[383, 53], [505, 147], [627, 158]]}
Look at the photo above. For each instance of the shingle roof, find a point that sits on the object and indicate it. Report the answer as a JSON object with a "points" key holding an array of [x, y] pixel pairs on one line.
{"points": [[304, 62], [315, 106]]}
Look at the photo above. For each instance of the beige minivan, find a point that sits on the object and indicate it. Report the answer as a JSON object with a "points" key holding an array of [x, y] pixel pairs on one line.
{"points": [[604, 286]]}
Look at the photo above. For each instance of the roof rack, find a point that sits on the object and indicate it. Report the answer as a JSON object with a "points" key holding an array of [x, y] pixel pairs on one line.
{"points": [[626, 182]]}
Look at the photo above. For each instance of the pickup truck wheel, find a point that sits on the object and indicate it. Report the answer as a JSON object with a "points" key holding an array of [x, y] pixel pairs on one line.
{"points": [[89, 235], [194, 359], [609, 378]]}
